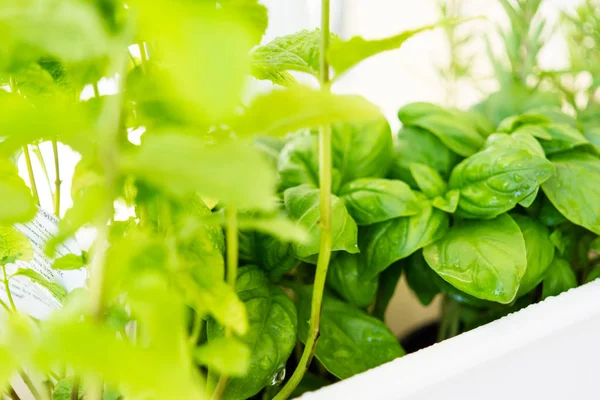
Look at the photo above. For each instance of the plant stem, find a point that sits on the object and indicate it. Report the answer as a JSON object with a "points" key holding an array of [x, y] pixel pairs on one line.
{"points": [[38, 154], [30, 385], [7, 287], [57, 180], [196, 330], [96, 90], [13, 394], [34, 190], [231, 232], [4, 305], [325, 222], [75, 389]]}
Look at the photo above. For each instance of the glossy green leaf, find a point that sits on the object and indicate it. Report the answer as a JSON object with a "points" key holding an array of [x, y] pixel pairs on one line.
{"points": [[539, 249], [388, 281], [345, 277], [299, 51], [535, 131], [302, 204], [428, 179], [421, 279], [54, 288], [68, 262], [273, 256], [284, 111], [518, 139], [515, 122], [14, 245], [233, 173], [224, 355], [371, 200], [575, 188], [298, 162], [485, 258], [350, 340], [17, 203], [271, 336], [559, 278], [448, 202], [343, 55], [494, 180], [563, 137], [528, 201], [384, 243], [362, 149], [416, 145]]}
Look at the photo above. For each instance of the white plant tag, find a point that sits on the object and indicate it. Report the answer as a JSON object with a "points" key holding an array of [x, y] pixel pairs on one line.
{"points": [[30, 297]]}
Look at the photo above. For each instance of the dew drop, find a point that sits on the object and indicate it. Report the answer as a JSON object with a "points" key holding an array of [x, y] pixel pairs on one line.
{"points": [[277, 377]]}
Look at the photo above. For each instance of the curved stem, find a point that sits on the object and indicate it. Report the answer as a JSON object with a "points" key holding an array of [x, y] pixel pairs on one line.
{"points": [[7, 288], [325, 222], [28, 382], [57, 180], [34, 190], [231, 233], [40, 157]]}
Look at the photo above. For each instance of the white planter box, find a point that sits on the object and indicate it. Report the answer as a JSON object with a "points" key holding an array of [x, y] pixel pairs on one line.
{"points": [[549, 350]]}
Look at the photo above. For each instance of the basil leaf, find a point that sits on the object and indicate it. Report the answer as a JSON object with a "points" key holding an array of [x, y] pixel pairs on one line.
{"points": [[575, 188], [68, 262], [14, 245], [362, 150], [344, 276], [17, 203], [428, 179], [298, 162], [302, 204], [350, 340], [494, 180], [540, 252], [416, 145], [593, 274], [224, 355], [549, 215], [283, 111], [271, 335], [273, 256], [421, 279], [514, 122], [388, 281], [448, 202], [384, 243], [563, 137], [519, 139], [559, 278], [485, 258], [370, 200], [55, 289], [528, 201]]}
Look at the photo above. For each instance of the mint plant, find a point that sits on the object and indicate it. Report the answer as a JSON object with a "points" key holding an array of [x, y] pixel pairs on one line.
{"points": [[266, 237]]}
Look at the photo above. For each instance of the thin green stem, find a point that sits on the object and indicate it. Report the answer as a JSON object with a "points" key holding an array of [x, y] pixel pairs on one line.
{"points": [[38, 154], [4, 305], [13, 394], [325, 222], [34, 190], [96, 89], [30, 385], [75, 389], [196, 330], [231, 233], [57, 181], [7, 288], [143, 55]]}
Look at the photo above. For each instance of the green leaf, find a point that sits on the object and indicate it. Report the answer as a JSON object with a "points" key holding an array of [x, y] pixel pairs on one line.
{"points": [[184, 164], [518, 139], [298, 162], [549, 215], [384, 243], [271, 336], [350, 340], [484, 258], [14, 246], [535, 131], [371, 200], [416, 145], [448, 202], [54, 288], [362, 150], [593, 274], [428, 179], [595, 245], [494, 180], [540, 252], [514, 122], [299, 51], [528, 201], [250, 12], [63, 389], [456, 133], [284, 111], [278, 226], [224, 355], [344, 276], [68, 263], [302, 204], [17, 203], [563, 137], [344, 55], [388, 280], [273, 256], [575, 189], [421, 279], [559, 278]]}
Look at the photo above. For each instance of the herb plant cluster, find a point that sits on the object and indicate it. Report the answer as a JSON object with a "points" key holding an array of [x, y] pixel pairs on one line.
{"points": [[268, 237]]}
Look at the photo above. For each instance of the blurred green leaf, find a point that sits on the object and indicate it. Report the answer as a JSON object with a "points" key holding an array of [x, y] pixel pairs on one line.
{"points": [[225, 356], [287, 110], [17, 203], [54, 288], [14, 246], [68, 262]]}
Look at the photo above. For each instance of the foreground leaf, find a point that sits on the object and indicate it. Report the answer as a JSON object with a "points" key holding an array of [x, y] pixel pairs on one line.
{"points": [[68, 262], [14, 246], [55, 289], [271, 336], [232, 173], [350, 340], [575, 188], [224, 355], [285, 111], [303, 205], [17, 203], [559, 278], [486, 258]]}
